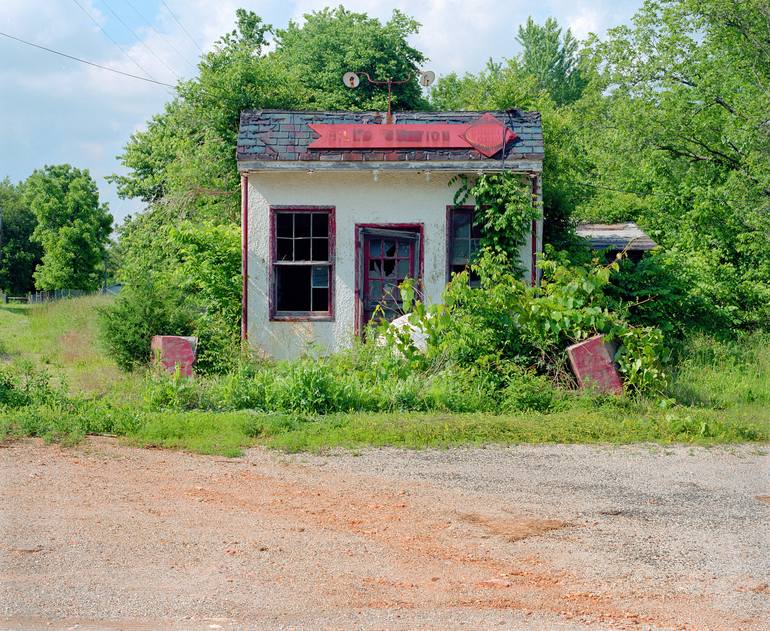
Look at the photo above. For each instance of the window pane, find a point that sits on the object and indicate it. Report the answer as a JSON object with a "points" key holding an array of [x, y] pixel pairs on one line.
{"points": [[320, 299], [320, 249], [390, 268], [390, 291], [460, 251], [284, 250], [301, 249], [320, 276], [292, 287], [301, 224], [375, 247], [320, 224], [389, 247], [375, 290], [461, 225], [475, 247], [476, 231], [403, 268], [403, 248], [375, 267], [283, 224]]}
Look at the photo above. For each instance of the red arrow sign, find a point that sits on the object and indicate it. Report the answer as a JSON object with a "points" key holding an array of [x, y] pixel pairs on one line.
{"points": [[487, 135]]}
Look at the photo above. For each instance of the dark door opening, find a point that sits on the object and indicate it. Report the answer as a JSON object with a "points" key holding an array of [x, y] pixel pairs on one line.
{"points": [[387, 256]]}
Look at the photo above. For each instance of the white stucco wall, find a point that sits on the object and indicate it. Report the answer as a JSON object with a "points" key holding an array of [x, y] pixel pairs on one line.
{"points": [[396, 197]]}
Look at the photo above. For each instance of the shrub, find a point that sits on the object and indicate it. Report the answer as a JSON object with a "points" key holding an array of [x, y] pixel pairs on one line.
{"points": [[308, 385], [525, 391], [507, 321], [140, 311], [21, 384], [175, 391]]}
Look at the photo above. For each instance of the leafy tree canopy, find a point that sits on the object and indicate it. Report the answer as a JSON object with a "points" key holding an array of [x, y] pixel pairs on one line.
{"points": [[552, 59], [72, 227], [332, 42], [678, 139], [19, 255], [535, 79], [186, 156]]}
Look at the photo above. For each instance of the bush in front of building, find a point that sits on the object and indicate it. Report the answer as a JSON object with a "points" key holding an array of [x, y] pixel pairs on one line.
{"points": [[195, 290], [508, 321]]}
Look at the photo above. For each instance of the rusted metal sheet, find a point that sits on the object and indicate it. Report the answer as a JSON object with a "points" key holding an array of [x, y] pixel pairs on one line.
{"points": [[592, 363], [487, 135]]}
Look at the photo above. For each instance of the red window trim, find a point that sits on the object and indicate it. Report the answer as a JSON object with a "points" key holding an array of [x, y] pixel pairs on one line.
{"points": [[415, 227], [301, 316]]}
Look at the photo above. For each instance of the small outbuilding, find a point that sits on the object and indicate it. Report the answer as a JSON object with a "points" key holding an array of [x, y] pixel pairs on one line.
{"points": [[339, 207], [617, 237]]}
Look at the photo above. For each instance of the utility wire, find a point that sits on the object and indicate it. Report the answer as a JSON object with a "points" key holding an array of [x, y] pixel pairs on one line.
{"points": [[176, 19], [139, 39], [83, 61], [82, 8], [181, 55]]}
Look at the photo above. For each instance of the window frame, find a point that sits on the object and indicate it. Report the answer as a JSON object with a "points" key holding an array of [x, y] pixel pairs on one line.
{"points": [[419, 228], [300, 316], [452, 210]]}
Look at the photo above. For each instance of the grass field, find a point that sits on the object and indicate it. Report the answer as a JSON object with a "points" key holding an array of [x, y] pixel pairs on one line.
{"points": [[62, 337], [720, 393]]}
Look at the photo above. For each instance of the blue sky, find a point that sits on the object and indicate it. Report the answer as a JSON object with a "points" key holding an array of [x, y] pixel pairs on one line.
{"points": [[54, 110]]}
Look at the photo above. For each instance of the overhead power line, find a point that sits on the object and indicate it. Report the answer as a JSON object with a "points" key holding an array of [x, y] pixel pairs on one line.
{"points": [[181, 55], [176, 19], [139, 39], [84, 61], [109, 37]]}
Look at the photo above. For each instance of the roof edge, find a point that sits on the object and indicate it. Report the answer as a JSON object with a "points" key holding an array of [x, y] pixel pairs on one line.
{"points": [[456, 166]]}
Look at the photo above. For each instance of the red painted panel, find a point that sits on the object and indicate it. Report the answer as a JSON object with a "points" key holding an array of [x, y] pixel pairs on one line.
{"points": [[487, 135], [174, 350], [592, 363]]}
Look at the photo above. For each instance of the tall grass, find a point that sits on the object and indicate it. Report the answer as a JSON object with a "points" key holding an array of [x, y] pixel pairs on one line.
{"points": [[63, 336], [719, 393], [724, 374]]}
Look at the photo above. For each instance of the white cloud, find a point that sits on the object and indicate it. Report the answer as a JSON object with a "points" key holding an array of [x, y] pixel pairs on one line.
{"points": [[56, 110]]}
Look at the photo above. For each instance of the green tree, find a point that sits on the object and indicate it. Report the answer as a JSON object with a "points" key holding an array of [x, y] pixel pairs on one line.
{"points": [[552, 59], [19, 255], [507, 84], [332, 42], [186, 156], [686, 94], [72, 227]]}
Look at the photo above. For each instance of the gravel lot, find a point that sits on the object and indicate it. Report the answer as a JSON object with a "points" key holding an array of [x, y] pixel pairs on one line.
{"points": [[553, 537]]}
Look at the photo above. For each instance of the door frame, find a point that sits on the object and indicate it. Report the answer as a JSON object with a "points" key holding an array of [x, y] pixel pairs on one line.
{"points": [[411, 227]]}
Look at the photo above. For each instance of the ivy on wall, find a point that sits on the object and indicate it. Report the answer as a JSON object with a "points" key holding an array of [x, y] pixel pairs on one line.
{"points": [[504, 209]]}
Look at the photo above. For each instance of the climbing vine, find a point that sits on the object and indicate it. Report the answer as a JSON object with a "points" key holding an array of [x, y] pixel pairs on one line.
{"points": [[504, 210]]}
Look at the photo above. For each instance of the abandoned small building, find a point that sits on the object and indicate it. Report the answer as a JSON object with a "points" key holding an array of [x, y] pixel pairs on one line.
{"points": [[339, 207], [612, 238]]}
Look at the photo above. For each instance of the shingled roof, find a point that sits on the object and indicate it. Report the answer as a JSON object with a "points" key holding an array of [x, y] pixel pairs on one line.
{"points": [[272, 138], [616, 236]]}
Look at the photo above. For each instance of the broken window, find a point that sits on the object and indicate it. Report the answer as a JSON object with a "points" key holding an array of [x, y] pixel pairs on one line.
{"points": [[464, 243], [302, 262]]}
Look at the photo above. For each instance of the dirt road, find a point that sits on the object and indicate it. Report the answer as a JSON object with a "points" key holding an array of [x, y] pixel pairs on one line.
{"points": [[555, 537]]}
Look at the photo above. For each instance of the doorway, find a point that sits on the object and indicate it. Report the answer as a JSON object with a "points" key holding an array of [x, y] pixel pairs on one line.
{"points": [[386, 256]]}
